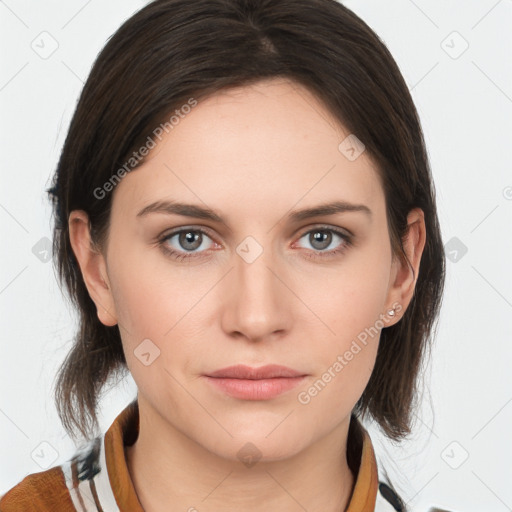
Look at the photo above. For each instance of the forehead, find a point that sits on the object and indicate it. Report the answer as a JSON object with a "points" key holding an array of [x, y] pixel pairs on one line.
{"points": [[270, 144]]}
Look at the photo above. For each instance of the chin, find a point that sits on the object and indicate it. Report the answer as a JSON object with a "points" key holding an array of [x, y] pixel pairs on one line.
{"points": [[251, 448]]}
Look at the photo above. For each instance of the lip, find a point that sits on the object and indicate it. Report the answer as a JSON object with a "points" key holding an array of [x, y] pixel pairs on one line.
{"points": [[242, 371], [247, 383]]}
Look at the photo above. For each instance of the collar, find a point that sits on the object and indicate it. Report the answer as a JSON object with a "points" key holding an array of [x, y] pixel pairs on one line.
{"points": [[125, 430]]}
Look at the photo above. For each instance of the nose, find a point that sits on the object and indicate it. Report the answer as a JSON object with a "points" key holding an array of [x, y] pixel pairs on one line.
{"points": [[258, 304]]}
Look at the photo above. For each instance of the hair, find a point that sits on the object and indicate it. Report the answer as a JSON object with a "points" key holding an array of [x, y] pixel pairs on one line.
{"points": [[174, 50]]}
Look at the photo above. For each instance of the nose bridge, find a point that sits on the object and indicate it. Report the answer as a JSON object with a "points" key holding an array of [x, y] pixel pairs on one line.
{"points": [[258, 295], [254, 278]]}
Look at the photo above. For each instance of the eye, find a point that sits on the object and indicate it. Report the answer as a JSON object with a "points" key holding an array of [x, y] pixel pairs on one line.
{"points": [[321, 238], [186, 243]]}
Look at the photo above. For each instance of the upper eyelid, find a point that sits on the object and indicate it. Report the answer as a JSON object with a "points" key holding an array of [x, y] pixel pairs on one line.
{"points": [[176, 231]]}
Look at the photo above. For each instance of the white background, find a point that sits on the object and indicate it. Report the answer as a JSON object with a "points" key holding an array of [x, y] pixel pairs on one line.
{"points": [[465, 103]]}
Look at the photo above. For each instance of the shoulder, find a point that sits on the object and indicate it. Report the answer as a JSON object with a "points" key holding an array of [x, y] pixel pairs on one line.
{"points": [[43, 491], [56, 489]]}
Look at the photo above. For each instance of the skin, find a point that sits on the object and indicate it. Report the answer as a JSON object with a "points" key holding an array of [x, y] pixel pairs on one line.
{"points": [[251, 154]]}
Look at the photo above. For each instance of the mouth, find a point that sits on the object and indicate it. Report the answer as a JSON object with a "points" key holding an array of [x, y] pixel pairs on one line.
{"points": [[247, 383]]}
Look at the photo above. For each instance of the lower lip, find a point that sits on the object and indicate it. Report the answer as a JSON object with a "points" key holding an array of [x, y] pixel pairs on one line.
{"points": [[261, 389]]}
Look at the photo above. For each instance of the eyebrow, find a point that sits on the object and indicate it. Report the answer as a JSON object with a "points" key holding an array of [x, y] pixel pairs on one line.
{"points": [[199, 212]]}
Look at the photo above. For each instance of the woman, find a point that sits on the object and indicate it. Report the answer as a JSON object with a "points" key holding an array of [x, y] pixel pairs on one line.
{"points": [[246, 222]]}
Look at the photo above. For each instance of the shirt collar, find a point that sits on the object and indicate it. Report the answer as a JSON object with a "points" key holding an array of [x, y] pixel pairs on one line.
{"points": [[125, 430]]}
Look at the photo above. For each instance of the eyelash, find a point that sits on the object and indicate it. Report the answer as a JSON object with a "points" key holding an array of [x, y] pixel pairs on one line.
{"points": [[347, 243]]}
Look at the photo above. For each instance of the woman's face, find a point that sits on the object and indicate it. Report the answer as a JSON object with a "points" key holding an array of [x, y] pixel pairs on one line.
{"points": [[259, 284]]}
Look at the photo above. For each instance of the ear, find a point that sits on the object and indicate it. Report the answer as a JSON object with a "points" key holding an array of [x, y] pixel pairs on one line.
{"points": [[403, 281], [93, 267]]}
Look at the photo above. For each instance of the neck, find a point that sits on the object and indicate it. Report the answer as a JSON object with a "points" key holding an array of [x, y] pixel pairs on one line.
{"points": [[177, 470]]}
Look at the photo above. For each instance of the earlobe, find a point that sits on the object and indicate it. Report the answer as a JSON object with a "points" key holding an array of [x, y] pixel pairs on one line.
{"points": [[93, 267]]}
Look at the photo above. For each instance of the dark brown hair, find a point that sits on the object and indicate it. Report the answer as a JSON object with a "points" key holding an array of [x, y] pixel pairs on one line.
{"points": [[174, 50]]}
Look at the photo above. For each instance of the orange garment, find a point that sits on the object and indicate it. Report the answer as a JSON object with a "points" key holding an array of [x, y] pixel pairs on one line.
{"points": [[96, 478]]}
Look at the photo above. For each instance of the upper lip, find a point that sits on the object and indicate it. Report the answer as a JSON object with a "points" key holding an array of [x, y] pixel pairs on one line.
{"points": [[241, 371]]}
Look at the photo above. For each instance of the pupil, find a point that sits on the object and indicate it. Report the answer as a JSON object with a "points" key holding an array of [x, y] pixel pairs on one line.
{"points": [[319, 235], [189, 238]]}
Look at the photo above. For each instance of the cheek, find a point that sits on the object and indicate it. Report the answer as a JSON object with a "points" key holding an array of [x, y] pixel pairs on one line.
{"points": [[154, 310], [143, 290], [345, 361], [352, 310], [353, 302]]}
